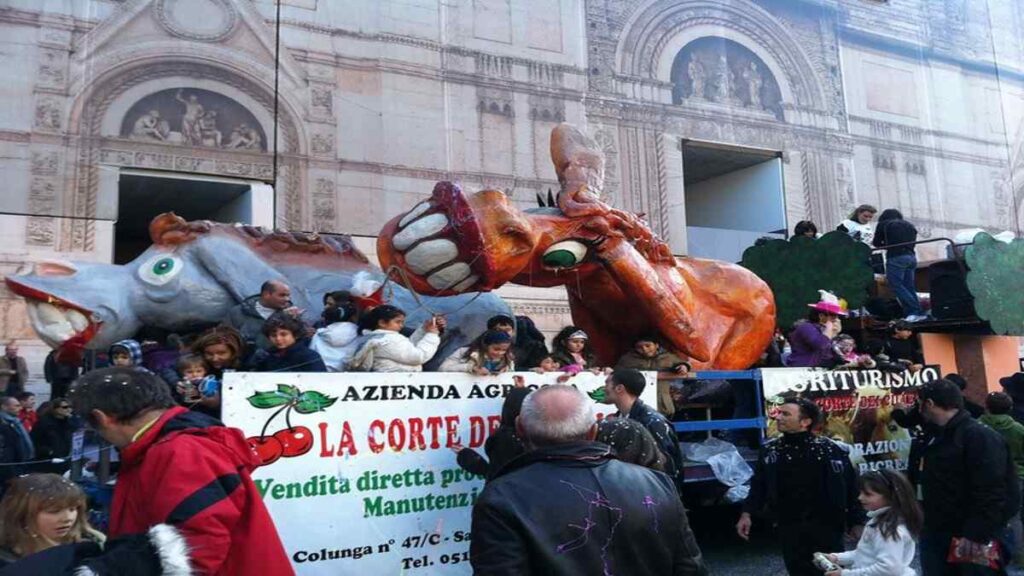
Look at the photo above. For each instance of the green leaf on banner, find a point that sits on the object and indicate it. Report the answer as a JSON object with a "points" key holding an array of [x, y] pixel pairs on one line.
{"points": [[597, 395], [313, 401], [288, 389], [270, 399]]}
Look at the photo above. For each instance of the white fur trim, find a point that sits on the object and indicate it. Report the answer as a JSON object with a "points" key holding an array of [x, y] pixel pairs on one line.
{"points": [[84, 571], [172, 549]]}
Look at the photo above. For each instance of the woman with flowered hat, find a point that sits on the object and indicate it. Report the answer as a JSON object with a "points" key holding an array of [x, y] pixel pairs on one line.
{"points": [[811, 340]]}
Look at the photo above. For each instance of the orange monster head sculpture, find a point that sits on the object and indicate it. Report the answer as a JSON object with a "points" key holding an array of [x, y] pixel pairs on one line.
{"points": [[622, 280]]}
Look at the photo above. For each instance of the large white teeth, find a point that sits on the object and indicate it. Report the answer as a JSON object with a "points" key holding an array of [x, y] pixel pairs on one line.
{"points": [[78, 320], [414, 213], [50, 314], [422, 228], [448, 276], [430, 254], [462, 286], [55, 325]]}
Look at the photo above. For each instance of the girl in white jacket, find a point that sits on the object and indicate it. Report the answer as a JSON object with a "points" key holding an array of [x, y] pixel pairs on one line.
{"points": [[385, 349], [886, 548]]}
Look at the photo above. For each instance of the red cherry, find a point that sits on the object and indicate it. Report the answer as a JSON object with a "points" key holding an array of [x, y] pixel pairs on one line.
{"points": [[268, 448], [296, 441]]}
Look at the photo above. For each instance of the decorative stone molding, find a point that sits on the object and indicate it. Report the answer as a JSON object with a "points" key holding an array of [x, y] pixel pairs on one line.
{"points": [[171, 20], [884, 160], [492, 101], [494, 66], [547, 109]]}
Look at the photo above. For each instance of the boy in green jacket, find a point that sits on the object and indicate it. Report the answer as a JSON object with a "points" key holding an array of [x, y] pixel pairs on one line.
{"points": [[998, 406]]}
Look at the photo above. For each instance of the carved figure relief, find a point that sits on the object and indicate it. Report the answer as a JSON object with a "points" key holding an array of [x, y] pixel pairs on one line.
{"points": [[725, 72], [193, 117]]}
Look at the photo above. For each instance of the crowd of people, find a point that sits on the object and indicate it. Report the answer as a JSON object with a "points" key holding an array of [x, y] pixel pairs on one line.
{"points": [[565, 493]]}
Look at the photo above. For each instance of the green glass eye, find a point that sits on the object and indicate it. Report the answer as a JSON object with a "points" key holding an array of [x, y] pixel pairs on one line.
{"points": [[560, 259], [163, 266], [564, 254]]}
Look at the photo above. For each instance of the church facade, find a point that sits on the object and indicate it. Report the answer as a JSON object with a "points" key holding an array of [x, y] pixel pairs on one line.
{"points": [[349, 112]]}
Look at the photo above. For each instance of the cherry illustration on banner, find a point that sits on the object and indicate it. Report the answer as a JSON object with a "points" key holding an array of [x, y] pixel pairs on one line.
{"points": [[291, 441]]}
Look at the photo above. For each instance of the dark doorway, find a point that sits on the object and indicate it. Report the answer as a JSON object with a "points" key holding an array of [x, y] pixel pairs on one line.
{"points": [[734, 196], [143, 196]]}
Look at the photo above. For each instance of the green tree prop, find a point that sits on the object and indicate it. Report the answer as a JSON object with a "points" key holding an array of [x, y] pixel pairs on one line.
{"points": [[996, 282], [796, 269]]}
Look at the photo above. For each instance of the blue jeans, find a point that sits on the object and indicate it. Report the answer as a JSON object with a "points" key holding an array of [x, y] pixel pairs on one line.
{"points": [[899, 273]]}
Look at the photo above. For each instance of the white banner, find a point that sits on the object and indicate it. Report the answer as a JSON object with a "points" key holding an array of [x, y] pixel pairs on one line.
{"points": [[361, 477], [857, 407]]}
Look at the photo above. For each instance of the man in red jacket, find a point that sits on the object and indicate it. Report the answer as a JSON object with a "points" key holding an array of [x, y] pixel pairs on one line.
{"points": [[181, 468]]}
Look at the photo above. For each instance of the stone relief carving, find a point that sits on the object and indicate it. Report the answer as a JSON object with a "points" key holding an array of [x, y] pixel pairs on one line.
{"points": [[52, 67], [193, 117], [45, 163], [48, 114], [724, 72], [324, 211], [39, 231], [322, 143], [322, 100]]}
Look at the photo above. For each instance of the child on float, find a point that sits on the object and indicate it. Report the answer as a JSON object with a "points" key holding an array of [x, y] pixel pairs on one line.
{"points": [[336, 341], [383, 348], [491, 353], [195, 381], [41, 511], [847, 357], [886, 548], [288, 351], [222, 348], [125, 353], [548, 364], [572, 351], [648, 354]]}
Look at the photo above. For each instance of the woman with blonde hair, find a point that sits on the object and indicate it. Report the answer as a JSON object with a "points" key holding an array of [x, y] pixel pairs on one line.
{"points": [[40, 511]]}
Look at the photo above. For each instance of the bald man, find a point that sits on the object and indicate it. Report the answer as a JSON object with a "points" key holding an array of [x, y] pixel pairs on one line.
{"points": [[601, 516], [248, 316]]}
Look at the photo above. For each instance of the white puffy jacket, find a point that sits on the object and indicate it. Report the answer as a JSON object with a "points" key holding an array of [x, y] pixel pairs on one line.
{"points": [[389, 351], [877, 556], [336, 344]]}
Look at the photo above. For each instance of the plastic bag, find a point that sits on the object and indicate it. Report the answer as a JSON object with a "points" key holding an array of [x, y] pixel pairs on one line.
{"points": [[702, 451], [730, 468]]}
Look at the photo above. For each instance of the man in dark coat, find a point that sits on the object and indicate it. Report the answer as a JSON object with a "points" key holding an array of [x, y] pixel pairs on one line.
{"points": [[15, 444], [248, 316], [968, 482], [623, 388], [52, 436], [13, 371], [1013, 385], [807, 485], [59, 374], [568, 506]]}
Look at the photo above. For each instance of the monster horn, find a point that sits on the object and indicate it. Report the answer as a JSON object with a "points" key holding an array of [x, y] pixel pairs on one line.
{"points": [[540, 200], [551, 199]]}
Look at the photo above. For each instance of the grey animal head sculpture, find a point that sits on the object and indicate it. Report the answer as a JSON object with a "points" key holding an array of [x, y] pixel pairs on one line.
{"points": [[195, 272]]}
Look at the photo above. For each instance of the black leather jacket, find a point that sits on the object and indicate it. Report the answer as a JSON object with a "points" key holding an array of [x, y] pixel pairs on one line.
{"points": [[575, 509], [968, 481]]}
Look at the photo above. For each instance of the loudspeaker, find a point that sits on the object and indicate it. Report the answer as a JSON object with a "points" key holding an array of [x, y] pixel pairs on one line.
{"points": [[950, 297], [883, 308]]}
